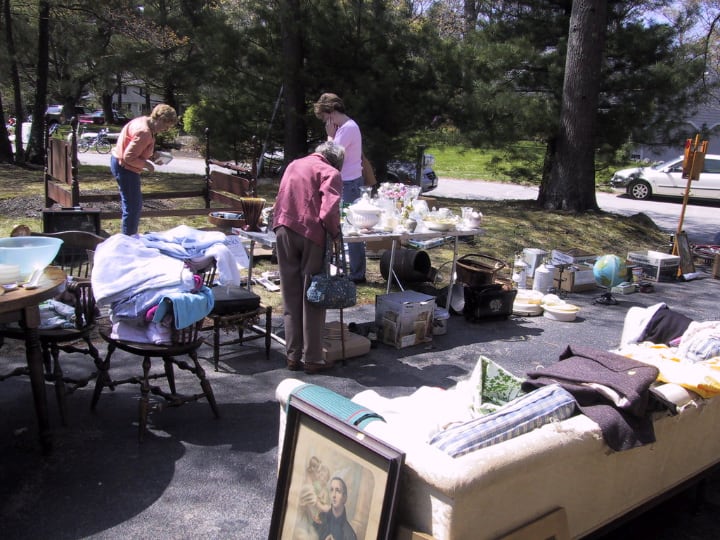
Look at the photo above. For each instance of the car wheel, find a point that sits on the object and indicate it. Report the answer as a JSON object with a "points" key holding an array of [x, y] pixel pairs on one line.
{"points": [[639, 190]]}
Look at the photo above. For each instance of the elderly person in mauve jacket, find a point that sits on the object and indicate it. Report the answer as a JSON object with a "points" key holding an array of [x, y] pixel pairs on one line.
{"points": [[307, 208]]}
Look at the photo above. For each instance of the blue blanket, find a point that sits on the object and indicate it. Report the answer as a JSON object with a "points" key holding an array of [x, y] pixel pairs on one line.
{"points": [[187, 307]]}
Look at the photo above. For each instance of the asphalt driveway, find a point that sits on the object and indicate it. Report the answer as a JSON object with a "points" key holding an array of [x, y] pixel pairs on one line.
{"points": [[197, 477]]}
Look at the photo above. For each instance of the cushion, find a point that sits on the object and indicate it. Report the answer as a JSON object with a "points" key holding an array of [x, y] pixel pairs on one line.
{"points": [[229, 300], [492, 386], [336, 405], [550, 403], [665, 325]]}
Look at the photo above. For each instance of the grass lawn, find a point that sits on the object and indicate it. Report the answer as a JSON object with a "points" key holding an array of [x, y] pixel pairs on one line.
{"points": [[509, 226]]}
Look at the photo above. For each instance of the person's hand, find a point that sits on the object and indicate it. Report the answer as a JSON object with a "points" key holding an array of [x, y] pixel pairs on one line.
{"points": [[307, 496], [149, 166], [331, 128]]}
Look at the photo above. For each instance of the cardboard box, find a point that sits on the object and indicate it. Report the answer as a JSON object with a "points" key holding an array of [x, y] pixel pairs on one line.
{"points": [[405, 318], [572, 256], [575, 278], [656, 265]]}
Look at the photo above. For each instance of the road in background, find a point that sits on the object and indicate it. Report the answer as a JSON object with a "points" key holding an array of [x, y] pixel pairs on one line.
{"points": [[700, 222]]}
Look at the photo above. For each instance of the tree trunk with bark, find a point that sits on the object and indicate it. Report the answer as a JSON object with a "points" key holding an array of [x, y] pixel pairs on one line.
{"points": [[36, 146], [293, 87], [569, 179]]}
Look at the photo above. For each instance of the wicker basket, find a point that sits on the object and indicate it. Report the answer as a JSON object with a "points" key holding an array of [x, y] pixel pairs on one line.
{"points": [[477, 270]]}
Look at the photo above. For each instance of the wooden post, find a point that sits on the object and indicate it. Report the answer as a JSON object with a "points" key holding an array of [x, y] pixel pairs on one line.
{"points": [[692, 167]]}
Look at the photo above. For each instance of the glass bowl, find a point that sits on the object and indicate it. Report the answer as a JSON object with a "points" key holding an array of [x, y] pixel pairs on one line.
{"points": [[29, 252]]}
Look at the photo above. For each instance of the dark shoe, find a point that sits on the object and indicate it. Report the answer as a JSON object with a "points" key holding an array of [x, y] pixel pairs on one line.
{"points": [[294, 365], [359, 281], [312, 368]]}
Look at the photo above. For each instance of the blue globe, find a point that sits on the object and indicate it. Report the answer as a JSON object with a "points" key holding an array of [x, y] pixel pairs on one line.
{"points": [[610, 270]]}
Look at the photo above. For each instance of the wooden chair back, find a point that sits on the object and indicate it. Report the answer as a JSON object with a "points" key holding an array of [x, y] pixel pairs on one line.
{"points": [[76, 253]]}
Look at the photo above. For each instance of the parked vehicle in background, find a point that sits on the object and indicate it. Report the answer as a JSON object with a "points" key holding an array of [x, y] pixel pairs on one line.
{"points": [[56, 114], [404, 172], [98, 117], [665, 179]]}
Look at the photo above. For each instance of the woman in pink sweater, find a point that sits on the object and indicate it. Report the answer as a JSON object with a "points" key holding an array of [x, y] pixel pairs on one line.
{"points": [[133, 153]]}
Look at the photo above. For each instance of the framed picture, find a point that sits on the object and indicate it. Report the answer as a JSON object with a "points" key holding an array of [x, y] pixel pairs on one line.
{"points": [[334, 480]]}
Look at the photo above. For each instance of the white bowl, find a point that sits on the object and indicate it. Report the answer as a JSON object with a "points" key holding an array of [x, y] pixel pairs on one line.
{"points": [[29, 252], [363, 219], [440, 225], [561, 312]]}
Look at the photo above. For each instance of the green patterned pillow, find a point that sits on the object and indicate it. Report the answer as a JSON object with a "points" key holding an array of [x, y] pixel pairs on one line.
{"points": [[494, 386]]}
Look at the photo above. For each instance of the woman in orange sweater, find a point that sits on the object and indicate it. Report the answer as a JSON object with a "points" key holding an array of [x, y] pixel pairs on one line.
{"points": [[133, 153]]}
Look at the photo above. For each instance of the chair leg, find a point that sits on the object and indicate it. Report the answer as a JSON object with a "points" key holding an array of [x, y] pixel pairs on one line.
{"points": [[103, 377], [216, 343], [144, 403], [268, 332], [170, 374], [57, 376], [205, 384]]}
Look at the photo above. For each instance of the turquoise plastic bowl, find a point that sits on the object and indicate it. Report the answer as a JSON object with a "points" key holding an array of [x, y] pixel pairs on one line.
{"points": [[29, 252]]}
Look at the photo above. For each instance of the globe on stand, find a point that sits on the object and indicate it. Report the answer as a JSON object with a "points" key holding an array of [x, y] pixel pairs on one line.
{"points": [[608, 271]]}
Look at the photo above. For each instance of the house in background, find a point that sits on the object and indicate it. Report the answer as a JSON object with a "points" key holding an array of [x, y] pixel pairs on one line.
{"points": [[135, 100], [705, 121]]}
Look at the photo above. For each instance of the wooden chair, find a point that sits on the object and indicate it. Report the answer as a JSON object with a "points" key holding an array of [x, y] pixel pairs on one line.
{"points": [[185, 341], [74, 257]]}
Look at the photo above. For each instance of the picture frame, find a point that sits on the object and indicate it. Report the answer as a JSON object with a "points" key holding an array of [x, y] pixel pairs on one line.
{"points": [[323, 456]]}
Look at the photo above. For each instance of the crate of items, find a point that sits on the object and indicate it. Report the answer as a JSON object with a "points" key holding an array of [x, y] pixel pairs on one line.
{"points": [[405, 318], [656, 265]]}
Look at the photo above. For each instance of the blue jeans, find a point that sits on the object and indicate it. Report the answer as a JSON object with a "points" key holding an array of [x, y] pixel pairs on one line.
{"points": [[130, 196], [356, 250]]}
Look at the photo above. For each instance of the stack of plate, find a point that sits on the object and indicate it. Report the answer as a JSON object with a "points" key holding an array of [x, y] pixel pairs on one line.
{"points": [[9, 274], [528, 303]]}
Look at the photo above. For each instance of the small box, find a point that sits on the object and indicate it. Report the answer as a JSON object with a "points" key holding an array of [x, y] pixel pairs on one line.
{"points": [[625, 288], [575, 278], [406, 318], [572, 256], [656, 265]]}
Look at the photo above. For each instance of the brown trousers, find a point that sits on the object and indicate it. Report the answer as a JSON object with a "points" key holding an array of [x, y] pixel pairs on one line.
{"points": [[298, 260]]}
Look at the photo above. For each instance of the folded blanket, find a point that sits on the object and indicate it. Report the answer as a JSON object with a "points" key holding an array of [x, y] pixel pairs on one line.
{"points": [[187, 308], [610, 389]]}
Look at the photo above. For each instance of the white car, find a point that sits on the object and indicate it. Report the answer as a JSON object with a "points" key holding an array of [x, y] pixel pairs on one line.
{"points": [[666, 179]]}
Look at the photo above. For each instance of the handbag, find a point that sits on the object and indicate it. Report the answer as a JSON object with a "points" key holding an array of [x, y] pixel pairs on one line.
{"points": [[332, 291], [368, 173]]}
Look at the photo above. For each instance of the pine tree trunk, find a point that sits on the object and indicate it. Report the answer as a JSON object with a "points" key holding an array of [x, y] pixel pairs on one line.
{"points": [[293, 88], [36, 146], [570, 183]]}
